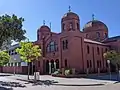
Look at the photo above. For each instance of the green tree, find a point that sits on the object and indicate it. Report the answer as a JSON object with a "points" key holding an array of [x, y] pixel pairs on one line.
{"points": [[113, 56], [29, 52], [11, 29], [4, 58]]}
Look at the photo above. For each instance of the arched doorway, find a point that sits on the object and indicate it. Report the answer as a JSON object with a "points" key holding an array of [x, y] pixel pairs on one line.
{"points": [[47, 67], [66, 63], [52, 66], [57, 63]]}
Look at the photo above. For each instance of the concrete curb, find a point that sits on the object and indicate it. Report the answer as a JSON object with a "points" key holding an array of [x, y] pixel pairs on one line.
{"points": [[116, 82], [79, 84]]}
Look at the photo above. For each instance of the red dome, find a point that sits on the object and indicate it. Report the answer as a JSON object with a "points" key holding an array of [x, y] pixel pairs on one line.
{"points": [[44, 28], [70, 15], [94, 24]]}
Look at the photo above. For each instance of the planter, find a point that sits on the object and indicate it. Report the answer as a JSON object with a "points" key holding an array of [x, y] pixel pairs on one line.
{"points": [[70, 76]]}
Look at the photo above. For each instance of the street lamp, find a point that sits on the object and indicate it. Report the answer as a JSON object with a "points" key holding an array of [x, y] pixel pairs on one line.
{"points": [[108, 61]]}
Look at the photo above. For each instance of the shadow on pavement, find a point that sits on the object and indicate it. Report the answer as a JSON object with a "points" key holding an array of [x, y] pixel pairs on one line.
{"points": [[3, 88], [113, 77], [4, 75], [44, 82], [39, 82], [11, 84]]}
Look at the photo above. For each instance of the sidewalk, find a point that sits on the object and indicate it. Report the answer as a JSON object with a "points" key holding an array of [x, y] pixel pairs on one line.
{"points": [[65, 81]]}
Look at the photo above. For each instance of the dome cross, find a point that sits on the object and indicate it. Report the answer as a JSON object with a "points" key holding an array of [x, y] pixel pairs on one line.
{"points": [[93, 17], [43, 22], [69, 9]]}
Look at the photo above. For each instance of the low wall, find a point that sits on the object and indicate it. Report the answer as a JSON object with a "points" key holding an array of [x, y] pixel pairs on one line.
{"points": [[18, 70], [1, 69]]}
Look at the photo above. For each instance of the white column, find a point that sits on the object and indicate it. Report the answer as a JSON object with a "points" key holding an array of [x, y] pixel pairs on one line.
{"points": [[17, 64], [55, 66], [49, 68]]}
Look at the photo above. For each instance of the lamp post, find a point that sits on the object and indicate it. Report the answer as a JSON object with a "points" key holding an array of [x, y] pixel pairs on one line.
{"points": [[108, 61]]}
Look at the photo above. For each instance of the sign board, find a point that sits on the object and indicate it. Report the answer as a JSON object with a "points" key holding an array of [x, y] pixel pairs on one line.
{"points": [[37, 75]]}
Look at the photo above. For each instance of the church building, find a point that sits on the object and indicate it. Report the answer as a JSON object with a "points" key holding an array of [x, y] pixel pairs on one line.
{"points": [[73, 48]]}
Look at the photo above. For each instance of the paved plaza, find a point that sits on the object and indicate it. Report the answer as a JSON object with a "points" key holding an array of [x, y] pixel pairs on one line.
{"points": [[81, 83]]}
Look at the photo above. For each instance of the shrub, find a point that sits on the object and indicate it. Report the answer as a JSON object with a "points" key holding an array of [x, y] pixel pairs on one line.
{"points": [[67, 72], [57, 72]]}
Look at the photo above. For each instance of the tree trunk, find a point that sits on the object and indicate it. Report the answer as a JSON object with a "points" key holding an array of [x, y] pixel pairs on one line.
{"points": [[32, 69], [35, 68], [28, 70]]}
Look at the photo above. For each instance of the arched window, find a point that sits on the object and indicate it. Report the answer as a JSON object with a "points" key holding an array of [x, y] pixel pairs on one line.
{"points": [[86, 35], [46, 66], [52, 63], [98, 51], [66, 63], [71, 25], [38, 37], [57, 63], [88, 50], [52, 46], [105, 35], [78, 26], [98, 35], [63, 26], [65, 44], [56, 47]]}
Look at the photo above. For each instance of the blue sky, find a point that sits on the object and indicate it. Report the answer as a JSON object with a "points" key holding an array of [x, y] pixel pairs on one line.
{"points": [[35, 11]]}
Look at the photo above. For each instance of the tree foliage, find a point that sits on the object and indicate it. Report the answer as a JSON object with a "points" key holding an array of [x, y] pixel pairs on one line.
{"points": [[28, 52], [4, 58], [11, 29], [113, 56]]}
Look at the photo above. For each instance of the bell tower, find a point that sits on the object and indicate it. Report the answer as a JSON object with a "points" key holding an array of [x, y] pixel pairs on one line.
{"points": [[70, 22]]}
